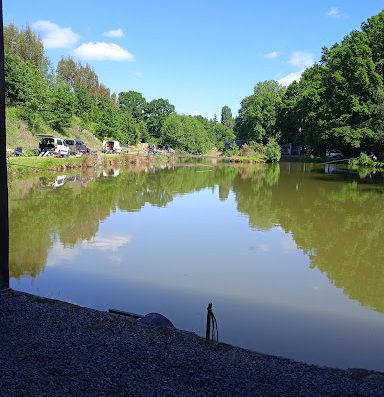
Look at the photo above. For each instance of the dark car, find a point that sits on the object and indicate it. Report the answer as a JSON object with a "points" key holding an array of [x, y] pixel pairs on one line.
{"points": [[76, 146]]}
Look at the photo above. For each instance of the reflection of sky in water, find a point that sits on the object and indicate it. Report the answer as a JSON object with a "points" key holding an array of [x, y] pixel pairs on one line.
{"points": [[197, 249]]}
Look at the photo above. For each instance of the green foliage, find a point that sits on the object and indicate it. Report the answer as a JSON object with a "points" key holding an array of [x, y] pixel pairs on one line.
{"points": [[340, 101], [25, 44], [185, 134], [156, 112], [365, 162], [258, 112], [61, 106], [134, 102], [233, 150], [272, 152], [30, 152], [129, 131], [107, 118], [226, 117], [83, 102], [219, 134]]}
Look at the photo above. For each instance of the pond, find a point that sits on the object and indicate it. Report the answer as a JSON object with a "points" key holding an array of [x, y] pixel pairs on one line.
{"points": [[291, 255]]}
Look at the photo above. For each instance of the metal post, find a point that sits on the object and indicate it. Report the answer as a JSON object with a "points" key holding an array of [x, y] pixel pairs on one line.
{"points": [[209, 319], [4, 225]]}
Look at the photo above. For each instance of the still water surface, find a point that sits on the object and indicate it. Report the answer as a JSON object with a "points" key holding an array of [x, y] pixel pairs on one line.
{"points": [[290, 255]]}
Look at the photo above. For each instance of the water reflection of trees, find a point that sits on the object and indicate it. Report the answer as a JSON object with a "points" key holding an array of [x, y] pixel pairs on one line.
{"points": [[338, 224]]}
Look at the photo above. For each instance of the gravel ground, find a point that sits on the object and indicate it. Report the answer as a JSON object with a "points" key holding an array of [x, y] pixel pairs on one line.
{"points": [[52, 348]]}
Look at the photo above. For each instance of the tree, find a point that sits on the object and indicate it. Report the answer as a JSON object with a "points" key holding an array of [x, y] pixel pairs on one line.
{"points": [[27, 88], [67, 70], [83, 103], [107, 118], [134, 102], [258, 112], [129, 131], [61, 105], [185, 134], [351, 85], [374, 29], [273, 152], [27, 45], [156, 112], [221, 133], [226, 117]]}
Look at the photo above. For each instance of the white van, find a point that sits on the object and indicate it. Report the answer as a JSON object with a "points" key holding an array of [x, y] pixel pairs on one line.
{"points": [[49, 144], [111, 147]]}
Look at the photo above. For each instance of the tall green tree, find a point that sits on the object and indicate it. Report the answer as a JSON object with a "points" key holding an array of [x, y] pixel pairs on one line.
{"points": [[156, 112], [258, 112], [351, 83], [61, 105], [226, 117], [129, 131], [107, 118], [134, 102], [185, 134], [26, 88], [27, 45]]}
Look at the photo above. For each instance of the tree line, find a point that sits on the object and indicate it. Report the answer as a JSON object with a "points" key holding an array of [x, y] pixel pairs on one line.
{"points": [[47, 97], [338, 103]]}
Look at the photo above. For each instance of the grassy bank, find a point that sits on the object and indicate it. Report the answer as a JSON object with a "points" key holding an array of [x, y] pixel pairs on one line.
{"points": [[30, 165], [33, 165], [19, 134]]}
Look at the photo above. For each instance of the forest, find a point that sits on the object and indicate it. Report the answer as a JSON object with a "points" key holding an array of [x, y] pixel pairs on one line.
{"points": [[338, 103]]}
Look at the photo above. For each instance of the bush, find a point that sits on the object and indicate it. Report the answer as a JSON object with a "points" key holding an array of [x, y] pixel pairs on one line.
{"points": [[233, 150], [257, 148], [246, 150], [362, 161], [273, 152]]}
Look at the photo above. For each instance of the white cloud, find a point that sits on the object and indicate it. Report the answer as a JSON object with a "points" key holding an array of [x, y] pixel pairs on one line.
{"points": [[334, 12], [138, 74], [272, 55], [54, 36], [103, 52], [114, 33], [107, 243], [59, 254], [302, 59], [195, 114], [290, 78], [262, 247]]}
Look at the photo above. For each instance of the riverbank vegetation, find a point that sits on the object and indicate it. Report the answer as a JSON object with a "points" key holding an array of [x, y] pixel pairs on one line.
{"points": [[338, 103]]}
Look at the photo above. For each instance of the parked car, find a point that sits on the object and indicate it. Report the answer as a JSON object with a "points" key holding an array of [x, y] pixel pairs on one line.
{"points": [[50, 144], [76, 146], [334, 153], [111, 147]]}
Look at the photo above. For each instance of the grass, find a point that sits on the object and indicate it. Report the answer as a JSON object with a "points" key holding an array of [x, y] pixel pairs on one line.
{"points": [[19, 133], [29, 165]]}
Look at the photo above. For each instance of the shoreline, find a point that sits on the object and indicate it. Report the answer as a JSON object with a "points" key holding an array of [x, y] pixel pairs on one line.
{"points": [[50, 347]]}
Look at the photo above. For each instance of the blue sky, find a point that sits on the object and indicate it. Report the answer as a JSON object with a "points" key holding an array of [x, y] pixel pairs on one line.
{"points": [[201, 54]]}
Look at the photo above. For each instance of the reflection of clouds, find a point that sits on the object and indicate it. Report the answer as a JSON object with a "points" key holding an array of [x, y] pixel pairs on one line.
{"points": [[260, 247], [288, 244], [107, 243], [58, 253]]}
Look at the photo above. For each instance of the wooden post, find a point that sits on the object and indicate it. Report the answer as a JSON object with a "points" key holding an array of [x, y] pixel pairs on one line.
{"points": [[4, 225]]}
